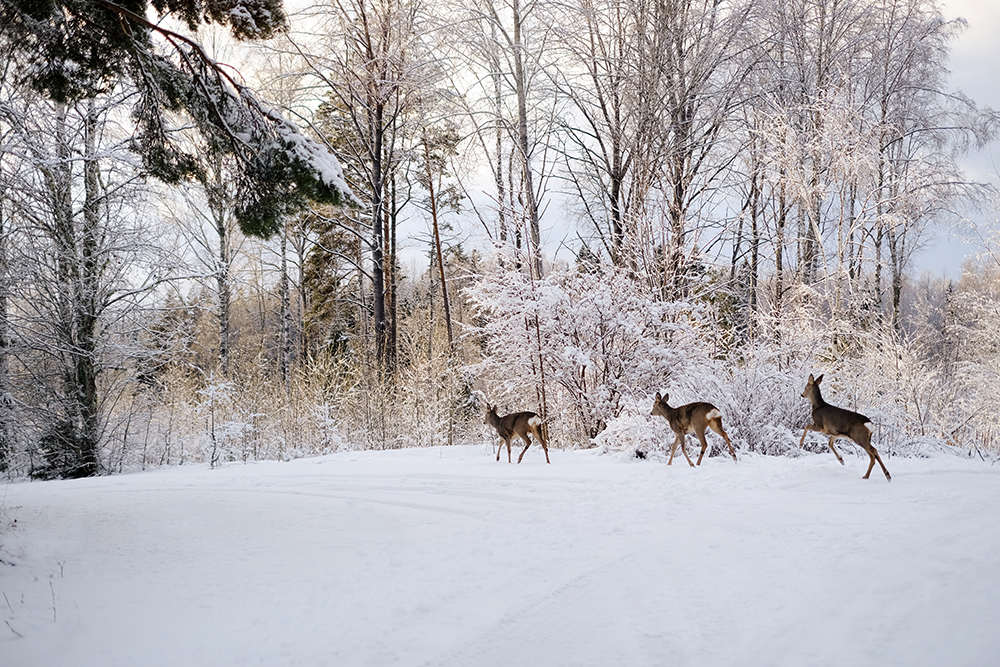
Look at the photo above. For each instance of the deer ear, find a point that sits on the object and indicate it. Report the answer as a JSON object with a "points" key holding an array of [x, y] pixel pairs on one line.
{"points": [[811, 379], [658, 397], [819, 379], [666, 397]]}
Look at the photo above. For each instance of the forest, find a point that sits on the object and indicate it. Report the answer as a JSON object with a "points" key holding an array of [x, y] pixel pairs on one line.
{"points": [[233, 231]]}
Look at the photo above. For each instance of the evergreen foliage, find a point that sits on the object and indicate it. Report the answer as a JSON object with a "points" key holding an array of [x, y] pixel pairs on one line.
{"points": [[77, 49]]}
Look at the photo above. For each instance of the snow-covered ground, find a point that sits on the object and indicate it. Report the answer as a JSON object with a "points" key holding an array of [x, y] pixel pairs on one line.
{"points": [[443, 556]]}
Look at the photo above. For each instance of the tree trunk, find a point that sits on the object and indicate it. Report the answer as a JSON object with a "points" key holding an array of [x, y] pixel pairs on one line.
{"points": [[284, 293], [437, 245], [779, 249], [522, 137], [88, 303], [498, 101], [67, 446], [6, 404], [378, 243], [896, 255], [222, 286]]}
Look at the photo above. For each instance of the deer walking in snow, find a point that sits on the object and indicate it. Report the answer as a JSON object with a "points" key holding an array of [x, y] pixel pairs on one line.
{"points": [[516, 424], [691, 418], [840, 423]]}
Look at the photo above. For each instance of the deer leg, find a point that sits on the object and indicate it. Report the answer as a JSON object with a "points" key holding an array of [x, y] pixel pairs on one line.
{"points": [[871, 464], [682, 438], [527, 440], [506, 442], [545, 445], [834, 449], [878, 458], [716, 425], [803, 438], [872, 455], [679, 440], [704, 443], [872, 458]]}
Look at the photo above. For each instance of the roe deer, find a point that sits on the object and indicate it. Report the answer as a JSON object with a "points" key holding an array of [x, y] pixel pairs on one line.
{"points": [[516, 424], [691, 418], [840, 423]]}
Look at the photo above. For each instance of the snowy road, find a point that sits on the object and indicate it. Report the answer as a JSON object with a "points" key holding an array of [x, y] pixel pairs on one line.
{"points": [[446, 557]]}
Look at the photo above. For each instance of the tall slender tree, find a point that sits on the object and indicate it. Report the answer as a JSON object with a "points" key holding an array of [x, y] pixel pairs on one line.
{"points": [[364, 64], [504, 42], [612, 70]]}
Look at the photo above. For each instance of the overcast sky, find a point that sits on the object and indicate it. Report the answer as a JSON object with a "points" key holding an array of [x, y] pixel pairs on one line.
{"points": [[975, 68], [974, 62], [976, 52]]}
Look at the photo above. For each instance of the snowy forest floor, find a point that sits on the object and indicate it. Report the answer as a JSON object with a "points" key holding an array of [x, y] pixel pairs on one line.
{"points": [[442, 556]]}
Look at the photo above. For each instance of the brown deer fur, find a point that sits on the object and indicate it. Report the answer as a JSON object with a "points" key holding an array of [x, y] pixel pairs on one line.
{"points": [[516, 424], [840, 423], [691, 418]]}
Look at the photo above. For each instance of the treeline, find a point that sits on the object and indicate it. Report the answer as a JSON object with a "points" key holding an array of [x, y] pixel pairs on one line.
{"points": [[186, 278]]}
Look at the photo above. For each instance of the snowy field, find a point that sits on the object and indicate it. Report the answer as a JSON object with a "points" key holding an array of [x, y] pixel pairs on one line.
{"points": [[445, 557]]}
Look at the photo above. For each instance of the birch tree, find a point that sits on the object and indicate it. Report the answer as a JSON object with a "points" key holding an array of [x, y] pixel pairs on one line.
{"points": [[858, 137], [612, 68], [504, 42], [75, 250], [920, 126], [707, 61]]}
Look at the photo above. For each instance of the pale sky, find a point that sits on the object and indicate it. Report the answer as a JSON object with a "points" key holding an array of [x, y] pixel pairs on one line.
{"points": [[975, 54], [975, 68]]}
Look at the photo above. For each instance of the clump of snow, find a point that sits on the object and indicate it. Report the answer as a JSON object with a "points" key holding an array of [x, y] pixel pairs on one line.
{"points": [[310, 152], [635, 430]]}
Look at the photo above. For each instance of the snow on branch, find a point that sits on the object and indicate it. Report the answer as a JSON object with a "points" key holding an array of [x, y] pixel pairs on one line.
{"points": [[599, 337]]}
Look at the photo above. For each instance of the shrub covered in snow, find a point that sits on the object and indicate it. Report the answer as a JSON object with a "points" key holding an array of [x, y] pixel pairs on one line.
{"points": [[587, 341]]}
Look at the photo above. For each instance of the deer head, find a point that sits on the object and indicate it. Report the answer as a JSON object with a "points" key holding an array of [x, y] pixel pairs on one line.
{"points": [[812, 390], [660, 407]]}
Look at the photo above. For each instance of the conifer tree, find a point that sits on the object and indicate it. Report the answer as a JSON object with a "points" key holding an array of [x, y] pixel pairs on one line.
{"points": [[72, 50]]}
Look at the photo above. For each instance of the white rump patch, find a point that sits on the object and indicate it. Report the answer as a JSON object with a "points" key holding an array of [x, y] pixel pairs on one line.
{"points": [[535, 421], [870, 427], [713, 414]]}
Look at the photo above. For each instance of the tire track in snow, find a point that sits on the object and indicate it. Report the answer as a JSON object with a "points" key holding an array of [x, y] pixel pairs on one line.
{"points": [[363, 492]]}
